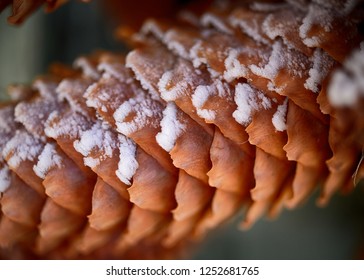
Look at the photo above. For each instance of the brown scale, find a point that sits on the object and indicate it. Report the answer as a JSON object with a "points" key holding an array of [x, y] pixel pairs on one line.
{"points": [[57, 225], [181, 230], [289, 31], [192, 139], [178, 80], [193, 198], [310, 152], [74, 185], [52, 184], [72, 91], [231, 167], [291, 73], [110, 212], [19, 194], [142, 224], [250, 22], [212, 50], [147, 69], [322, 21], [17, 224], [92, 241], [185, 105], [223, 206], [149, 177], [129, 90], [68, 183], [263, 134], [69, 124], [267, 168], [152, 185], [96, 234], [13, 233], [109, 208], [25, 167], [344, 148]]}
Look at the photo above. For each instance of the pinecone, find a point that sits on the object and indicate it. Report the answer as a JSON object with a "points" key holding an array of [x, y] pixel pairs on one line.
{"points": [[249, 105]]}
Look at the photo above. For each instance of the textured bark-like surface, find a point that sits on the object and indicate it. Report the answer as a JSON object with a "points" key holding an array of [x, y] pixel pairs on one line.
{"points": [[244, 106]]}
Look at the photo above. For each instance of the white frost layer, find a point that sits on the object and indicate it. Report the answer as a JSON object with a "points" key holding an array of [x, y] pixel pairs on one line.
{"points": [[22, 147], [128, 164], [87, 68], [183, 79], [92, 102], [33, 115], [116, 70], [234, 69], [97, 138], [120, 116], [150, 26], [199, 98], [344, 7], [248, 100], [275, 63], [197, 60], [169, 93], [101, 93], [5, 179], [171, 128], [203, 93], [281, 57], [46, 89], [72, 91], [209, 19], [91, 162], [48, 159], [316, 16], [267, 7], [277, 30], [170, 39], [249, 27], [71, 125], [147, 69], [279, 117], [136, 113], [346, 87], [149, 87], [322, 63]]}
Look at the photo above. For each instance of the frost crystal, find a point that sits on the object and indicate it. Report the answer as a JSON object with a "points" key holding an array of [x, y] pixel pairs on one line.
{"points": [[171, 128], [346, 87], [48, 159], [248, 101], [279, 117], [128, 164]]}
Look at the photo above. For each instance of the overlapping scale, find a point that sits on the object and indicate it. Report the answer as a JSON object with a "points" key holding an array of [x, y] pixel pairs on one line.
{"points": [[248, 106]]}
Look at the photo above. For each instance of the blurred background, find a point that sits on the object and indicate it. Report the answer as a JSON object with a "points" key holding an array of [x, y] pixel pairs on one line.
{"points": [[334, 232]]}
